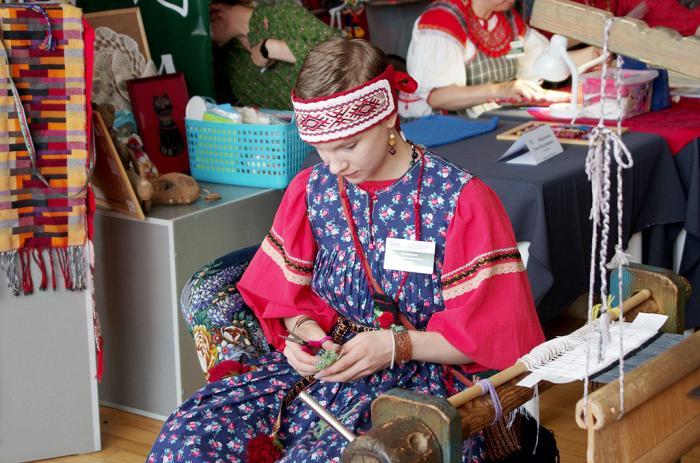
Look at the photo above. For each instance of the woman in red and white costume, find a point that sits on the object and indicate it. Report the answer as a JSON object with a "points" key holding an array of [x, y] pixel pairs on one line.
{"points": [[464, 53], [325, 273]]}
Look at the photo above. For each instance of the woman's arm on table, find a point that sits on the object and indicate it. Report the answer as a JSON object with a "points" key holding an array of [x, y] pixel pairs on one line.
{"points": [[458, 97]]}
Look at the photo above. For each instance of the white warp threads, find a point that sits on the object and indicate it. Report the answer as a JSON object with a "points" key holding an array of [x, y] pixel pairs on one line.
{"points": [[604, 144]]}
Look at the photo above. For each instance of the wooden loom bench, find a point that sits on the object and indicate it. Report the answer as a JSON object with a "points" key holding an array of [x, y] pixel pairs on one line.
{"points": [[419, 428]]}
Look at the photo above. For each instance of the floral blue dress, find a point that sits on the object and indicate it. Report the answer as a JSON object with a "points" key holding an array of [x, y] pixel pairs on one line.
{"points": [[308, 265]]}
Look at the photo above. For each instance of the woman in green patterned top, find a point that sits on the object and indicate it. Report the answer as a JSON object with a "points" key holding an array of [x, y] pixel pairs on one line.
{"points": [[263, 47]]}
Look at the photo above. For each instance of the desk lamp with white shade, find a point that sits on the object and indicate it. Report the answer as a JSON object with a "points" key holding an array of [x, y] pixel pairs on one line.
{"points": [[555, 65]]}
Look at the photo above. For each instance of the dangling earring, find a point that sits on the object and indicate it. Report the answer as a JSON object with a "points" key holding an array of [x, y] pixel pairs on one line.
{"points": [[392, 143]]}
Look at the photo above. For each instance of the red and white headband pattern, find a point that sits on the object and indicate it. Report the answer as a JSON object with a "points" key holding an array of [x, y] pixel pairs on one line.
{"points": [[347, 113]]}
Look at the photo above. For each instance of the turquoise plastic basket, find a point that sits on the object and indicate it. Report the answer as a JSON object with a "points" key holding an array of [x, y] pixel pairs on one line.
{"points": [[266, 156]]}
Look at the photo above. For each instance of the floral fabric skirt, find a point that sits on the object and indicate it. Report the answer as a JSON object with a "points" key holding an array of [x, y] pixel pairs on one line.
{"points": [[216, 423]]}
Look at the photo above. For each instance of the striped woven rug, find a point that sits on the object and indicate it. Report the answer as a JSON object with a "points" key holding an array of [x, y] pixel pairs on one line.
{"points": [[42, 226]]}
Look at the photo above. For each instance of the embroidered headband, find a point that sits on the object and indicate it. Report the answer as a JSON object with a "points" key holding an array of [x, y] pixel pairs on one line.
{"points": [[347, 113]]}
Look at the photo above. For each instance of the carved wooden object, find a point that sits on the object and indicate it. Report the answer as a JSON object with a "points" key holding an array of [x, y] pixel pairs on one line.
{"points": [[403, 440]]}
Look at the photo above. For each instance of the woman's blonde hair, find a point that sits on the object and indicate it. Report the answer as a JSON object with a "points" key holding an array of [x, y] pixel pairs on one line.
{"points": [[338, 64]]}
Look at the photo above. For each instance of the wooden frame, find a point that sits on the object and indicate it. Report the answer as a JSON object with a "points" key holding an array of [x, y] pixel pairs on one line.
{"points": [[658, 46], [113, 188], [125, 21], [662, 416], [583, 129], [653, 429]]}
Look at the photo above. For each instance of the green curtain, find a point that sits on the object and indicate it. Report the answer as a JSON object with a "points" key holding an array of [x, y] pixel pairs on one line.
{"points": [[176, 27]]}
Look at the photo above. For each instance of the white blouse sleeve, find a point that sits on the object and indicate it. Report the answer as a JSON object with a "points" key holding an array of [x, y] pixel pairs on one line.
{"points": [[435, 60], [534, 44]]}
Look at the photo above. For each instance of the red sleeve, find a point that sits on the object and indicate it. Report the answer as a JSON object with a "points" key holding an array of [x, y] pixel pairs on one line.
{"points": [[489, 312], [277, 283]]}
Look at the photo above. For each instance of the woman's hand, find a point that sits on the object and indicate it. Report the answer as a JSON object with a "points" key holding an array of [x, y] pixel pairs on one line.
{"points": [[361, 356], [300, 359], [519, 90], [303, 362]]}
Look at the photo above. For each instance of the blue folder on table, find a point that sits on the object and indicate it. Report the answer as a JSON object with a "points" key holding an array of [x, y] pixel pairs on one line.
{"points": [[436, 130]]}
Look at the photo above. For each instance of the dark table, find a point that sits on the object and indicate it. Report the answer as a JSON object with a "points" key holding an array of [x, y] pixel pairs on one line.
{"points": [[686, 158], [687, 162], [549, 205]]}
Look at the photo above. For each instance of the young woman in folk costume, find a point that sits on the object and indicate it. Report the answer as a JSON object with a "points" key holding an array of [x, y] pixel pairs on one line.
{"points": [[320, 275], [467, 52]]}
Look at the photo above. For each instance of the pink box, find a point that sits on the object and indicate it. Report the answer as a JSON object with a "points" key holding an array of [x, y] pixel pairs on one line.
{"points": [[636, 92]]}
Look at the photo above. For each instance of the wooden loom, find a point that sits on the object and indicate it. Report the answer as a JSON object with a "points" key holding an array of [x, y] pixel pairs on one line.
{"points": [[417, 428], [662, 410]]}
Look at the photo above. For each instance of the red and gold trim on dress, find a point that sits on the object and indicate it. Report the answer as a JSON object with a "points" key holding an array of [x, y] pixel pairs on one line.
{"points": [[295, 270], [480, 269]]}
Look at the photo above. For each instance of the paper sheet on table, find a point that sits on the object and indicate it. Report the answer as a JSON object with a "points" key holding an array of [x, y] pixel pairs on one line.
{"points": [[571, 366]]}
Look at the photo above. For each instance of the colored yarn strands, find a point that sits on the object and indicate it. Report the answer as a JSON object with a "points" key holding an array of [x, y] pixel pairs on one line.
{"points": [[43, 146]]}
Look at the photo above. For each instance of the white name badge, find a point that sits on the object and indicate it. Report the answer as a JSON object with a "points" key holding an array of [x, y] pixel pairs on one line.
{"points": [[517, 49], [409, 256]]}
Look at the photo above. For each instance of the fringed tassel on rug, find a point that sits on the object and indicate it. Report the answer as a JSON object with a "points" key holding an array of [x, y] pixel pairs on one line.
{"points": [[53, 271], [71, 261], [17, 266], [9, 264], [62, 257], [99, 358], [38, 256], [25, 262], [78, 267]]}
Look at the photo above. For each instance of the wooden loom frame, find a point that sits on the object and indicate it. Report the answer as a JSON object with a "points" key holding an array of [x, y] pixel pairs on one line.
{"points": [[658, 46], [656, 393], [662, 413], [418, 428]]}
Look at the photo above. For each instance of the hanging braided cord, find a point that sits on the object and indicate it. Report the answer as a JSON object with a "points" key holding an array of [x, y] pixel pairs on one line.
{"points": [[605, 144], [624, 160]]}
